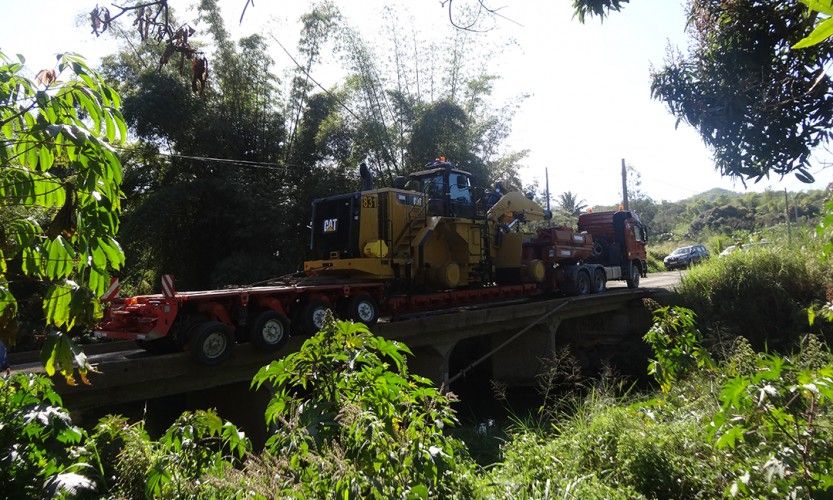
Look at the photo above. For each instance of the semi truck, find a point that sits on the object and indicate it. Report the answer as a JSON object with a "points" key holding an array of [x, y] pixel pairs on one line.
{"points": [[424, 244]]}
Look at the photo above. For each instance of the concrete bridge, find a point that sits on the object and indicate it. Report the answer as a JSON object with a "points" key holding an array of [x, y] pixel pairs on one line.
{"points": [[508, 340]]}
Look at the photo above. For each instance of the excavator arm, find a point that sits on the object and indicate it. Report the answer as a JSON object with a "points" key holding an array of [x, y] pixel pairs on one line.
{"points": [[515, 206]]}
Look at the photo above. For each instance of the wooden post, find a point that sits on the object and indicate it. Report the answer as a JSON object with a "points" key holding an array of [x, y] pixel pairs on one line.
{"points": [[624, 185]]}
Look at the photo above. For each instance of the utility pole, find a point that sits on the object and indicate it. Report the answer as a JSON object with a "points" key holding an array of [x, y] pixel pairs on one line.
{"points": [[624, 185], [787, 214], [547, 184]]}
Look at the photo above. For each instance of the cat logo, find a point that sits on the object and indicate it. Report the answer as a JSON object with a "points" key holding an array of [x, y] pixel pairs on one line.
{"points": [[330, 225]]}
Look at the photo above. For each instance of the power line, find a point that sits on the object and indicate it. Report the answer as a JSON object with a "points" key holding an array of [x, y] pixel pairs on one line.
{"points": [[303, 70]]}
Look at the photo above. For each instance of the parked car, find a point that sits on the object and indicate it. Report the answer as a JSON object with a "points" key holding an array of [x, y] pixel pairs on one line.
{"points": [[684, 257], [745, 246]]}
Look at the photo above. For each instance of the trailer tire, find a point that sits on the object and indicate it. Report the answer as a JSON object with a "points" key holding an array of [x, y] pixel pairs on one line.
{"points": [[583, 286], [599, 280], [270, 331], [363, 309], [633, 275], [211, 343], [310, 320]]}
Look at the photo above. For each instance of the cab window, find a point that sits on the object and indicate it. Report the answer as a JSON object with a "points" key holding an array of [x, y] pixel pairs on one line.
{"points": [[433, 186], [460, 188]]}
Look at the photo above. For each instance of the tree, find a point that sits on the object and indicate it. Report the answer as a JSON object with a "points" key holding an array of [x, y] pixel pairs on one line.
{"points": [[59, 200], [210, 222], [570, 203], [761, 107], [599, 8]]}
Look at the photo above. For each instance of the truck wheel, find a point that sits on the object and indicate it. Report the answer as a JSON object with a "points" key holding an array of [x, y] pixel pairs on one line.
{"points": [[311, 319], [599, 281], [633, 276], [211, 343], [583, 286], [363, 309], [270, 331]]}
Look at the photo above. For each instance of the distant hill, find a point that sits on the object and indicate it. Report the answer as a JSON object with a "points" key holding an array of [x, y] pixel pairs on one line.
{"points": [[712, 194], [723, 211]]}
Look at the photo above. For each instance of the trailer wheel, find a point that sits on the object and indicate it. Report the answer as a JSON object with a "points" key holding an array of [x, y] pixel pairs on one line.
{"points": [[270, 331], [311, 318], [583, 286], [633, 275], [599, 280], [211, 343], [363, 309]]}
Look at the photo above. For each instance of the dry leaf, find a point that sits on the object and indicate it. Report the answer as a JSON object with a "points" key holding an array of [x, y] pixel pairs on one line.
{"points": [[46, 77]]}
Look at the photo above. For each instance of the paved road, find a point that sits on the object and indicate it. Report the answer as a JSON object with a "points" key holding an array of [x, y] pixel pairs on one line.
{"points": [[668, 280]]}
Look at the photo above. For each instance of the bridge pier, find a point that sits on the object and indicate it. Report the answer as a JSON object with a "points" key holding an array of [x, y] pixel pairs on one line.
{"points": [[432, 361], [520, 361]]}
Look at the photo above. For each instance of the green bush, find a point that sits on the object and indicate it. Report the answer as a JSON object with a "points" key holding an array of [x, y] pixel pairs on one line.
{"points": [[760, 294], [38, 441], [776, 421], [349, 420], [608, 449], [675, 341]]}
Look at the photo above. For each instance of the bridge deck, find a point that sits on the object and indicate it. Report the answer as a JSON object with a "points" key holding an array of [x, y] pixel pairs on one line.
{"points": [[135, 375]]}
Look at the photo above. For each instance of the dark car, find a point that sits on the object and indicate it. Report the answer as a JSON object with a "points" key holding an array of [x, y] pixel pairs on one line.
{"points": [[684, 257]]}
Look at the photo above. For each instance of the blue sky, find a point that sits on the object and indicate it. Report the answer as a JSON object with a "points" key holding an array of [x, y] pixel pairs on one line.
{"points": [[589, 101]]}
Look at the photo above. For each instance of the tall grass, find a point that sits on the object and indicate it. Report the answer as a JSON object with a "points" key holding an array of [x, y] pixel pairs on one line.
{"points": [[761, 293], [611, 447]]}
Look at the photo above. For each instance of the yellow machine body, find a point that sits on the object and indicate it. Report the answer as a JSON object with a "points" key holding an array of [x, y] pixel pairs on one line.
{"points": [[418, 237]]}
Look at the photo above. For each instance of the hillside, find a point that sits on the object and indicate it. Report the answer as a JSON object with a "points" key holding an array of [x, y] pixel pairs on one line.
{"points": [[720, 211]]}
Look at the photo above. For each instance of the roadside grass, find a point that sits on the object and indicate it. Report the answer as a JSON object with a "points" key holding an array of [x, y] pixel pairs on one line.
{"points": [[609, 446], [671, 444], [760, 293]]}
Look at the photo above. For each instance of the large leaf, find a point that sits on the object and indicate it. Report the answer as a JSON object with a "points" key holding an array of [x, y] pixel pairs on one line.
{"points": [[822, 32], [823, 6]]}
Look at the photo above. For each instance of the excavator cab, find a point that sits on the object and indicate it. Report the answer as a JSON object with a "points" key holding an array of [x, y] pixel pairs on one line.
{"points": [[448, 189]]}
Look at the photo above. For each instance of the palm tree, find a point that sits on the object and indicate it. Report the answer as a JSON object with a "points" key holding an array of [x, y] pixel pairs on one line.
{"points": [[570, 203]]}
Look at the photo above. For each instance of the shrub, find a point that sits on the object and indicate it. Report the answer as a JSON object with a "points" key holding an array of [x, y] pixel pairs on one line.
{"points": [[38, 440], [776, 422], [608, 449], [349, 420], [759, 294], [675, 341]]}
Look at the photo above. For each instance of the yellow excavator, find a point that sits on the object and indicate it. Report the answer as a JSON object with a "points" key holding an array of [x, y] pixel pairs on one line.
{"points": [[426, 232]]}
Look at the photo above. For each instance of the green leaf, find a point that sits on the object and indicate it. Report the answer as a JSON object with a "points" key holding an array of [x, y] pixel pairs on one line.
{"points": [[8, 304], [56, 304], [121, 124], [731, 437], [110, 126], [822, 32], [45, 158], [823, 6], [112, 250], [732, 391], [60, 258]]}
